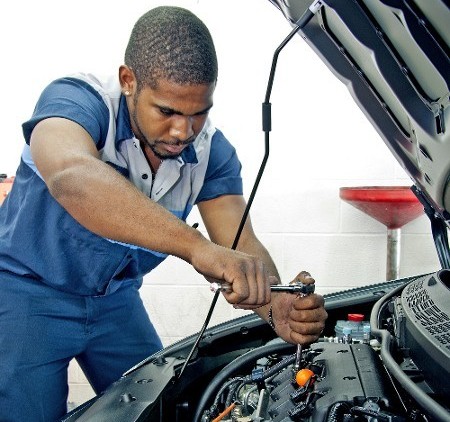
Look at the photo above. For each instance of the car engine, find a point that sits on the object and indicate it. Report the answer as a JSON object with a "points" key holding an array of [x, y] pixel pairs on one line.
{"points": [[401, 373], [241, 372]]}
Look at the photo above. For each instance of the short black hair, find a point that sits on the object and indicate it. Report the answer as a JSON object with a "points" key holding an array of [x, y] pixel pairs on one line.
{"points": [[171, 43]]}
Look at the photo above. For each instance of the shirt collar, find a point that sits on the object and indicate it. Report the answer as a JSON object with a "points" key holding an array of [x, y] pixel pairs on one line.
{"points": [[188, 155], [123, 124]]}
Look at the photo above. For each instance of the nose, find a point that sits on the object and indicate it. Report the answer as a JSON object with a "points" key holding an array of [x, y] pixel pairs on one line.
{"points": [[182, 127]]}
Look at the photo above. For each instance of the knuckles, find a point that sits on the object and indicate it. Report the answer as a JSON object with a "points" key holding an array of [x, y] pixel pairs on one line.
{"points": [[311, 301]]}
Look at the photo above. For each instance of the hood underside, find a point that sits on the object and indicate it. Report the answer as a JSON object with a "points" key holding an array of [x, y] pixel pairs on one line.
{"points": [[393, 57]]}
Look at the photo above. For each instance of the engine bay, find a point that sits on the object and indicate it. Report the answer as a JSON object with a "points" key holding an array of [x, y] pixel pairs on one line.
{"points": [[242, 372], [345, 380], [337, 382]]}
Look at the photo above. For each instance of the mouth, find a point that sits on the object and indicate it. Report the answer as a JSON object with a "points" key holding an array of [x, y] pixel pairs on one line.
{"points": [[167, 150], [174, 149]]}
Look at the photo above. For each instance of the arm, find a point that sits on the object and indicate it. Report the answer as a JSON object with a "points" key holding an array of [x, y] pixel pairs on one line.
{"points": [[297, 319], [90, 190], [222, 217]]}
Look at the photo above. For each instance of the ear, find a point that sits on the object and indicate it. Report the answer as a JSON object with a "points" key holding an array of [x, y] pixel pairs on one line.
{"points": [[127, 79]]}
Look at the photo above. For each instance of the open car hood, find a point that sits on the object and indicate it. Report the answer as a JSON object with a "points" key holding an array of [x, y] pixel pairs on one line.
{"points": [[393, 55]]}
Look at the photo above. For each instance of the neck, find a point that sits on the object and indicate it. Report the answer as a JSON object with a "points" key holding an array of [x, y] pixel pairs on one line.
{"points": [[153, 161]]}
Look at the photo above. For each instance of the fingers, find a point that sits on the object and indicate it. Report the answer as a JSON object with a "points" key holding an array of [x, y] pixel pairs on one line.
{"points": [[250, 287], [305, 303], [244, 277], [273, 280], [307, 318], [304, 277]]}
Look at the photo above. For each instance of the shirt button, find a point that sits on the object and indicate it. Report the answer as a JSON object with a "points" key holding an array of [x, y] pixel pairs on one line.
{"points": [[145, 176]]}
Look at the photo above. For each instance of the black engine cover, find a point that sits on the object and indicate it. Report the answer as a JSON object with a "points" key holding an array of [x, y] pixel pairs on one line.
{"points": [[350, 373]]}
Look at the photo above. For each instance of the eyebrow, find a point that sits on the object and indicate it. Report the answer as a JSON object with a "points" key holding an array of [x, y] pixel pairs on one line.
{"points": [[179, 113]]}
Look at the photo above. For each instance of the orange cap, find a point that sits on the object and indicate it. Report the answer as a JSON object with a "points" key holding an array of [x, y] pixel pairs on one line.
{"points": [[303, 376]]}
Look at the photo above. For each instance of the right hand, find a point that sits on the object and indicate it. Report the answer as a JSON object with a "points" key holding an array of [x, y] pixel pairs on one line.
{"points": [[299, 319], [245, 275]]}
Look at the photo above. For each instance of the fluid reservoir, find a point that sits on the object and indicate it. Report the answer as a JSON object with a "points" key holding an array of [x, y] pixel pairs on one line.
{"points": [[355, 323]]}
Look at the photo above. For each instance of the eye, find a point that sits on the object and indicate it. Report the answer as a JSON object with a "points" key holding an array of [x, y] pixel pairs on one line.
{"points": [[202, 113], [166, 111]]}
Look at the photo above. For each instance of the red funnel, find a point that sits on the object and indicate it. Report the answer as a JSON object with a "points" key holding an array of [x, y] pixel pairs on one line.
{"points": [[394, 206]]}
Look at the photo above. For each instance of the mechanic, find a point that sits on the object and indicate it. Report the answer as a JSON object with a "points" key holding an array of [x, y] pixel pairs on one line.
{"points": [[109, 172]]}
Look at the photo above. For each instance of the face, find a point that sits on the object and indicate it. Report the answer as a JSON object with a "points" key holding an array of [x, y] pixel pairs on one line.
{"points": [[167, 119]]}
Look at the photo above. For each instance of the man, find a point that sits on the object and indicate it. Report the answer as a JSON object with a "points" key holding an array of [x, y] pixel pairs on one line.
{"points": [[108, 175]]}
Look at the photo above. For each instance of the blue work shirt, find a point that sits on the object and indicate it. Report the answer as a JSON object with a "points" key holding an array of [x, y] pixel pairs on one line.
{"points": [[40, 240]]}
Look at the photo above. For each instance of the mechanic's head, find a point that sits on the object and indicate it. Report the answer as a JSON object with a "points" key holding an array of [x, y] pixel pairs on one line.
{"points": [[174, 44], [168, 79]]}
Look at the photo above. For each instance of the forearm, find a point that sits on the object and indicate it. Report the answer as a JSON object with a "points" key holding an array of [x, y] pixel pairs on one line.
{"points": [[107, 204]]}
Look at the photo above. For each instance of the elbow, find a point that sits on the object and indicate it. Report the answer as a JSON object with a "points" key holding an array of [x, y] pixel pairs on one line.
{"points": [[65, 186]]}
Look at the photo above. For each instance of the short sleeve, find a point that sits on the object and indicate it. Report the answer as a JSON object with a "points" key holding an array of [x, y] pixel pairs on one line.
{"points": [[223, 174], [75, 100]]}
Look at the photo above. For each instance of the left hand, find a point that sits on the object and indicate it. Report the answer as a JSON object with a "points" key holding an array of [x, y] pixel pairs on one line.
{"points": [[297, 319]]}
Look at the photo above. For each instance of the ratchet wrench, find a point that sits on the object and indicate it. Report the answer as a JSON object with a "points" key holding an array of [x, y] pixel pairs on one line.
{"points": [[296, 287]]}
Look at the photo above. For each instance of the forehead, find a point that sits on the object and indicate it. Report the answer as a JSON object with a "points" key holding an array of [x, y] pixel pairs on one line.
{"points": [[185, 99]]}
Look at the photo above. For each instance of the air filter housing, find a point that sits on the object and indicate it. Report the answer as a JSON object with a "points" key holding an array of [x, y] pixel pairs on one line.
{"points": [[426, 327]]}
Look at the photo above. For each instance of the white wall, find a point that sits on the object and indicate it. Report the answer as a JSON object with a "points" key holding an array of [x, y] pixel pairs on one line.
{"points": [[320, 141]]}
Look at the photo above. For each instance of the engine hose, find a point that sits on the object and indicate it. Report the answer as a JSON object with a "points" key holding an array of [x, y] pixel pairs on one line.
{"points": [[225, 386], [337, 411], [232, 393], [233, 367]]}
